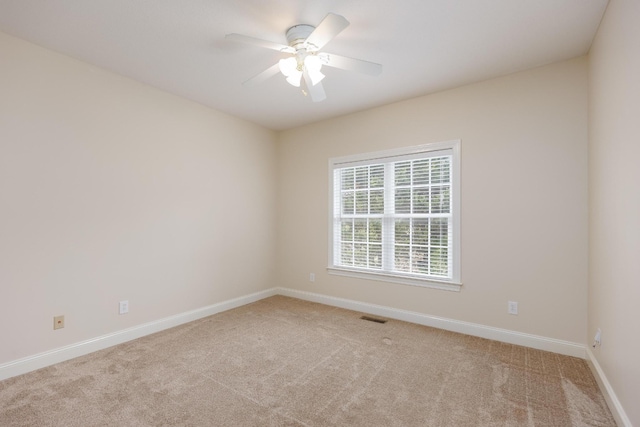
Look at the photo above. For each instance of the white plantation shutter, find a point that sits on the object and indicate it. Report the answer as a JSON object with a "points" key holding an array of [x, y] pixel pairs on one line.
{"points": [[394, 214], [359, 218]]}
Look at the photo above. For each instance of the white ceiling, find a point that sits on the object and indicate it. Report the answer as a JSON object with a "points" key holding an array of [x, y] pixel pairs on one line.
{"points": [[424, 45]]}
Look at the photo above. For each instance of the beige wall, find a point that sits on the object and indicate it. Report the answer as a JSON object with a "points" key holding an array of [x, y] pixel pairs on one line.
{"points": [[614, 192], [524, 199], [112, 190]]}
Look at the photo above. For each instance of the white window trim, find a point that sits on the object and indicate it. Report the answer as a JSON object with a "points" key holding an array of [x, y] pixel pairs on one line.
{"points": [[455, 283]]}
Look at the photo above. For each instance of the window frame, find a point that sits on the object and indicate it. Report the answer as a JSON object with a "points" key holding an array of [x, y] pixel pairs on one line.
{"points": [[387, 156]]}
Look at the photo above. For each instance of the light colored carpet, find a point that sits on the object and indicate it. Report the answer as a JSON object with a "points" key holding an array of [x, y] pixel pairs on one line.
{"points": [[286, 362]]}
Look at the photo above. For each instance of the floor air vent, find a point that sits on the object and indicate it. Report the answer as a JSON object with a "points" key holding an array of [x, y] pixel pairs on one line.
{"points": [[373, 319]]}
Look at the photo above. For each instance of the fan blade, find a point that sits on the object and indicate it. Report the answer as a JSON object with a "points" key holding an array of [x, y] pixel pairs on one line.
{"points": [[260, 77], [330, 27], [351, 64], [316, 91], [259, 42]]}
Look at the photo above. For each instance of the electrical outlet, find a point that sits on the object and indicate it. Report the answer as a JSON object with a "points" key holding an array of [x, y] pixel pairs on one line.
{"points": [[597, 340], [58, 322], [312, 277], [124, 307], [512, 307]]}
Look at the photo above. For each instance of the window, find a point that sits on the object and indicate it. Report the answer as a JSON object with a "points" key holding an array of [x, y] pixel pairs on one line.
{"points": [[395, 215]]}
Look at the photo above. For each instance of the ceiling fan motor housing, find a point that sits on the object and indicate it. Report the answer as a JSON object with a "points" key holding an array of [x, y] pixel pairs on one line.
{"points": [[297, 35]]}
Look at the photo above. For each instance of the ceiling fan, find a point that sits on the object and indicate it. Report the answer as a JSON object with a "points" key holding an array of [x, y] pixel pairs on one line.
{"points": [[306, 60]]}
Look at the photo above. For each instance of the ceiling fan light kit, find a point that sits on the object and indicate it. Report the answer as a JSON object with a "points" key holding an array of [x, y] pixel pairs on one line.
{"points": [[305, 42], [293, 68]]}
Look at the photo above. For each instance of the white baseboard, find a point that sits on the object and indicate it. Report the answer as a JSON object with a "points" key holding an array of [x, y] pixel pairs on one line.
{"points": [[610, 396], [38, 361], [504, 335], [48, 358]]}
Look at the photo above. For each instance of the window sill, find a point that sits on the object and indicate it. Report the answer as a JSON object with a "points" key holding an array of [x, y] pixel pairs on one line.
{"points": [[404, 280]]}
